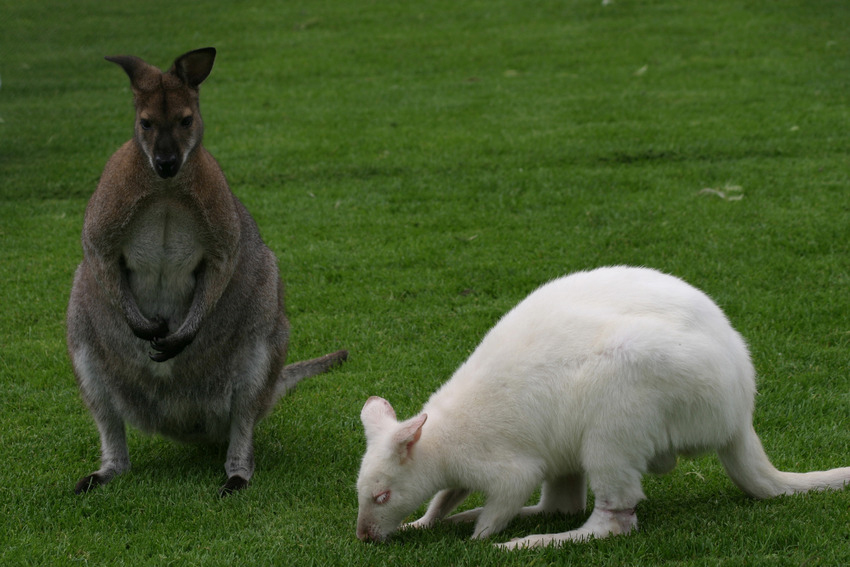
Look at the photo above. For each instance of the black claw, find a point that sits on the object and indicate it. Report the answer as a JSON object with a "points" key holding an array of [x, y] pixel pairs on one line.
{"points": [[87, 483], [233, 484], [164, 352], [159, 356]]}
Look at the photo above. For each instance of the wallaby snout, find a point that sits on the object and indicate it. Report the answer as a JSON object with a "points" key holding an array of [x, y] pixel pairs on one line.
{"points": [[166, 157], [166, 166]]}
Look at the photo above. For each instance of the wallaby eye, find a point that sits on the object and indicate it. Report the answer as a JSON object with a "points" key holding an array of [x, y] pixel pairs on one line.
{"points": [[186, 122], [382, 498], [145, 124]]}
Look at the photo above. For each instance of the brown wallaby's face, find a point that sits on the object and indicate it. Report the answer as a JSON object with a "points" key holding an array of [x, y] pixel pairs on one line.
{"points": [[168, 128], [168, 119]]}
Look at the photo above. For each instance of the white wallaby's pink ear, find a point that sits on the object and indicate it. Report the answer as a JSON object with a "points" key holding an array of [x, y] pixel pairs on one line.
{"points": [[376, 414], [408, 435]]}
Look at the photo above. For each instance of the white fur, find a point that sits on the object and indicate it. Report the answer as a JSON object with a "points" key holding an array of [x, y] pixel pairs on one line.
{"points": [[596, 377]]}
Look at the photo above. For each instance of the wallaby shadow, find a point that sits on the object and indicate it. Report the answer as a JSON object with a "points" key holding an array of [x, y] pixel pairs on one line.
{"points": [[162, 462]]}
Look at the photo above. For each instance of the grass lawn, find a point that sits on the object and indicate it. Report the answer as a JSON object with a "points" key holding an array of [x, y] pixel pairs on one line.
{"points": [[420, 167]]}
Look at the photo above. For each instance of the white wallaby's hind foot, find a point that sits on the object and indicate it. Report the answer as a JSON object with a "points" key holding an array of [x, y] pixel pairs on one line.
{"points": [[601, 523], [750, 469]]}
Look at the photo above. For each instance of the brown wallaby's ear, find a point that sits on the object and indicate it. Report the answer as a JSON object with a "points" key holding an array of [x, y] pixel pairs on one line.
{"points": [[195, 66], [135, 67]]}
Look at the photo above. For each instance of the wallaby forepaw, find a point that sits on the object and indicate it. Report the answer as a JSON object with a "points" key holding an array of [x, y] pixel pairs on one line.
{"points": [[417, 525], [167, 348], [150, 329], [233, 484]]}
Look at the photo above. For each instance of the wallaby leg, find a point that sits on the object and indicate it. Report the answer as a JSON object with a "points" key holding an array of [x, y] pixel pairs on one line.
{"points": [[601, 523], [617, 489], [444, 502], [114, 456], [662, 463], [240, 457], [563, 495], [500, 509], [245, 412]]}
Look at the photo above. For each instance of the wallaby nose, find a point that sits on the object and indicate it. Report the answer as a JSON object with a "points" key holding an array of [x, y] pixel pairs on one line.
{"points": [[166, 165], [368, 533], [363, 532]]}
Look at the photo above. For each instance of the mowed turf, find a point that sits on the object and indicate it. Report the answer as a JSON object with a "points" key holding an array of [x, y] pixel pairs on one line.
{"points": [[419, 168]]}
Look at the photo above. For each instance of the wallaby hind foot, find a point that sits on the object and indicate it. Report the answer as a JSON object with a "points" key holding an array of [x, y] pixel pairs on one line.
{"points": [[233, 484], [90, 481]]}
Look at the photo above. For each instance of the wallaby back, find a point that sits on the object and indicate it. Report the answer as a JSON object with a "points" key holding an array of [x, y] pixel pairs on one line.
{"points": [[176, 321]]}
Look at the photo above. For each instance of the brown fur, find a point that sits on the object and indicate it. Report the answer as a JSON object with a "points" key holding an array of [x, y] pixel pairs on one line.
{"points": [[176, 320]]}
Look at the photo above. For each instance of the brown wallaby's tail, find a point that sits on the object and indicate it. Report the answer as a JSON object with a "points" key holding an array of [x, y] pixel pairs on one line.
{"points": [[297, 371], [748, 466]]}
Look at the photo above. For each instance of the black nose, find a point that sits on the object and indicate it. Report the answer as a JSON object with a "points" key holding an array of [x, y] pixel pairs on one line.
{"points": [[166, 165]]}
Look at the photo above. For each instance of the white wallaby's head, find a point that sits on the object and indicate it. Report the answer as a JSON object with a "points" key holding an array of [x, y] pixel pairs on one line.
{"points": [[168, 118], [389, 487]]}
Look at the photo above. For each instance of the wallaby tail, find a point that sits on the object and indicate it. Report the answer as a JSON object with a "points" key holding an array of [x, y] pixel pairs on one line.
{"points": [[293, 373], [748, 466]]}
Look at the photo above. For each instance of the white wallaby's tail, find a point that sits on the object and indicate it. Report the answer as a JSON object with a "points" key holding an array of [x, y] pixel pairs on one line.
{"points": [[748, 466]]}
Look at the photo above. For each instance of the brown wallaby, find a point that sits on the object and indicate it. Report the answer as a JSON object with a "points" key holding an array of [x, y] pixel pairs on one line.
{"points": [[176, 321]]}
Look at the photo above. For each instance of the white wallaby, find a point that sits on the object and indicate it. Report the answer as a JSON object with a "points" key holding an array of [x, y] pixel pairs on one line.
{"points": [[598, 377]]}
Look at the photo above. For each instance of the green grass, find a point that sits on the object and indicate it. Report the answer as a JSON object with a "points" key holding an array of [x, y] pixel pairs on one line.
{"points": [[419, 168]]}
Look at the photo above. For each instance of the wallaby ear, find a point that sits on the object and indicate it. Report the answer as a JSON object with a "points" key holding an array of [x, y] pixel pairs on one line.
{"points": [[408, 435], [375, 414], [137, 69], [195, 66]]}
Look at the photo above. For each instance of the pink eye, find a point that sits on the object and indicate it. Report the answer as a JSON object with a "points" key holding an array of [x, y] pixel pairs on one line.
{"points": [[382, 498]]}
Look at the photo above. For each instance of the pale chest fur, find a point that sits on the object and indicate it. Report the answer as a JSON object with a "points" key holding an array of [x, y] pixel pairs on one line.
{"points": [[162, 252]]}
